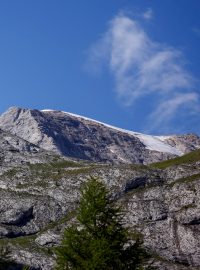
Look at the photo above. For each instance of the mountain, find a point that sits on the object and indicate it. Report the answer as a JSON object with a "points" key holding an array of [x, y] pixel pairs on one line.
{"points": [[83, 138], [15, 151], [161, 201], [45, 156]]}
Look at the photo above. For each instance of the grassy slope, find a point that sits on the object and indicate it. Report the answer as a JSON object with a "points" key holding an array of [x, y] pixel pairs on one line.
{"points": [[59, 168], [186, 159]]}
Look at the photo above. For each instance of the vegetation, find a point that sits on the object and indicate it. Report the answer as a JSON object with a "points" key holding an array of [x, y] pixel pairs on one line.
{"points": [[186, 159], [6, 261], [99, 240], [4, 258], [188, 179]]}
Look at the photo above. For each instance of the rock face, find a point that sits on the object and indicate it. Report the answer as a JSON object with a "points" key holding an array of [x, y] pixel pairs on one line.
{"points": [[185, 143], [15, 151], [39, 190], [168, 216], [79, 137], [37, 201]]}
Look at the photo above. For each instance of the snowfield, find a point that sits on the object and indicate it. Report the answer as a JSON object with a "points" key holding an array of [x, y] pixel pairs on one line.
{"points": [[156, 143]]}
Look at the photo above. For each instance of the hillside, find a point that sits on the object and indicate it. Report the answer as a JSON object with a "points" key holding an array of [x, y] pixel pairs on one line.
{"points": [[192, 157], [162, 204]]}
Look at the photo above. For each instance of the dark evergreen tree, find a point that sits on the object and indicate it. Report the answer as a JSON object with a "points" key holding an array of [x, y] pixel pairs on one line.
{"points": [[99, 241]]}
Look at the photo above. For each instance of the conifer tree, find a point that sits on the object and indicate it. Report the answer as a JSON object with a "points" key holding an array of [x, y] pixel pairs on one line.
{"points": [[99, 241]]}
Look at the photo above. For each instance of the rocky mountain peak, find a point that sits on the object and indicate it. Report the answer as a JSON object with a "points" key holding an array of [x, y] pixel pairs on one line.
{"points": [[39, 190], [80, 137]]}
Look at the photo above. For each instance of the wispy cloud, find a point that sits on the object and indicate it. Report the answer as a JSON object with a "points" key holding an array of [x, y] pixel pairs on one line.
{"points": [[166, 109], [196, 31], [143, 67], [148, 14]]}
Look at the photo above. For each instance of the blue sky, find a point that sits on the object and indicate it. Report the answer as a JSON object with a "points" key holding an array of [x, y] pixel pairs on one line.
{"points": [[134, 64]]}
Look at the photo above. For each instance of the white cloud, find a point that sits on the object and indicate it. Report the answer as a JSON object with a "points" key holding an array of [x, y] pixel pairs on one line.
{"points": [[142, 67], [168, 108], [148, 14]]}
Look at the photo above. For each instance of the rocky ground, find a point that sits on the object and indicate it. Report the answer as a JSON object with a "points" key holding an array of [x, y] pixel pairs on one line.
{"points": [[39, 189], [39, 192]]}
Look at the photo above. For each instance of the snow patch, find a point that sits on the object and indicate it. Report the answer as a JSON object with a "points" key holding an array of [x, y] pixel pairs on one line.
{"points": [[155, 143]]}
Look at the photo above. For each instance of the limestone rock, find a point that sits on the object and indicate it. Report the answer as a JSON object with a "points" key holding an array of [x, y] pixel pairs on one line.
{"points": [[40, 190], [79, 137]]}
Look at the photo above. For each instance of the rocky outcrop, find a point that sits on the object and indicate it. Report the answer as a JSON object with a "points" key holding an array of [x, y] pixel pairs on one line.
{"points": [[15, 151], [38, 200], [185, 143], [78, 137], [40, 190], [168, 217]]}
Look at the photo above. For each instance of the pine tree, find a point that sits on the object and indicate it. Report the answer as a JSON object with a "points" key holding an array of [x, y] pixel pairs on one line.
{"points": [[99, 241]]}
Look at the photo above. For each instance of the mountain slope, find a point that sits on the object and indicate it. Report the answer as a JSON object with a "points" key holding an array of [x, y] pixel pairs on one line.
{"points": [[79, 137], [191, 157], [37, 202], [15, 151]]}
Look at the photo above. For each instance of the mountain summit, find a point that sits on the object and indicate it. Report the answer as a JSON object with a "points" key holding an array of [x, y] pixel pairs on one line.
{"points": [[83, 138], [40, 190]]}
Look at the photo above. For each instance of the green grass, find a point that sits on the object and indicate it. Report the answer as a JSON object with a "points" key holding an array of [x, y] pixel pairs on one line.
{"points": [[22, 241], [61, 164], [184, 180], [56, 170], [40, 174], [186, 159], [25, 242], [10, 173], [188, 179]]}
